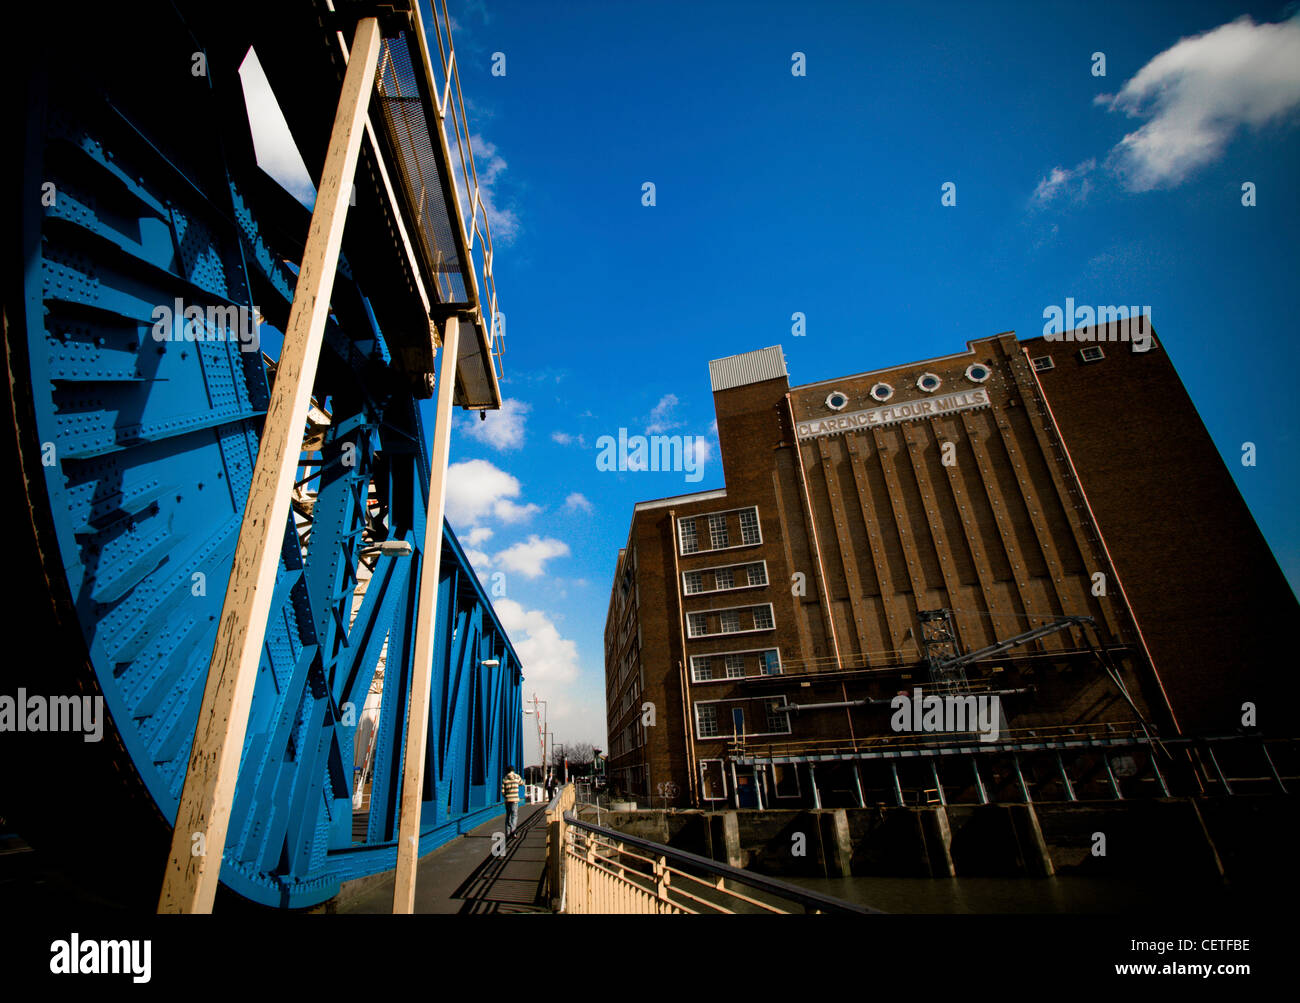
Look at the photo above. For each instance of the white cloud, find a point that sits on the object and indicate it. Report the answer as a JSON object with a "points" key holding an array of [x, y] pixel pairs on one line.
{"points": [[500, 429], [478, 559], [577, 502], [546, 656], [701, 450], [476, 487], [661, 415], [273, 144], [565, 439], [508, 511], [1198, 93], [477, 535], [529, 558], [489, 166], [1061, 181]]}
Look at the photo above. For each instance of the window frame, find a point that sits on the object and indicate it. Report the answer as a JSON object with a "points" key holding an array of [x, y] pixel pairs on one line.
{"points": [[714, 678], [735, 588]]}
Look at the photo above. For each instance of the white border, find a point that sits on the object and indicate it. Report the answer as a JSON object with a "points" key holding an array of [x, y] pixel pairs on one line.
{"points": [[717, 550], [736, 679], [723, 567], [727, 736], [728, 633]]}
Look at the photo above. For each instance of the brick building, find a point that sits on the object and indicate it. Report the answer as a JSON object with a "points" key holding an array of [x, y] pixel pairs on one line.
{"points": [[771, 624]]}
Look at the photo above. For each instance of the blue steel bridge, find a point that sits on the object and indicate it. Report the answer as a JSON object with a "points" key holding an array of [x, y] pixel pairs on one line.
{"points": [[136, 442]]}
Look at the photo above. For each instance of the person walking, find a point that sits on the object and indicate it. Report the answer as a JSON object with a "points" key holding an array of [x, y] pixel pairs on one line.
{"points": [[510, 788]]}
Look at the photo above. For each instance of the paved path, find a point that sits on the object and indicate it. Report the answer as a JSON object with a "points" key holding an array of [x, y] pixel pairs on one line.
{"points": [[464, 876]]}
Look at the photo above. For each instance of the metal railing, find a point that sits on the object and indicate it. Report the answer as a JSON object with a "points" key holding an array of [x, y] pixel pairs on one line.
{"points": [[474, 211], [1086, 733], [601, 870]]}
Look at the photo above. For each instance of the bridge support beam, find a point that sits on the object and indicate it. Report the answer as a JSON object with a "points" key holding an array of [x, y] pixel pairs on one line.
{"points": [[199, 837], [417, 721]]}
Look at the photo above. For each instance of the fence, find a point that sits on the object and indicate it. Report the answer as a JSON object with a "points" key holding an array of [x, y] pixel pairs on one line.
{"points": [[595, 869]]}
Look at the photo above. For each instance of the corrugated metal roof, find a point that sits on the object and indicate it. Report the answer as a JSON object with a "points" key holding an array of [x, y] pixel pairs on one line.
{"points": [[749, 367]]}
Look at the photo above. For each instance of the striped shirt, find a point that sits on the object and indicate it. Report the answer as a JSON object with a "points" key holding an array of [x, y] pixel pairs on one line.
{"points": [[510, 786]]}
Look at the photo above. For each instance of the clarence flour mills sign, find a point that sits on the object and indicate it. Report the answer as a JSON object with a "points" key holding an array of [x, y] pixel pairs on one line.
{"points": [[889, 414]]}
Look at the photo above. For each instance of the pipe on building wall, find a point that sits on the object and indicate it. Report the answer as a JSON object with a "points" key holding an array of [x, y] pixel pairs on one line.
{"points": [[824, 596], [885, 700], [688, 716]]}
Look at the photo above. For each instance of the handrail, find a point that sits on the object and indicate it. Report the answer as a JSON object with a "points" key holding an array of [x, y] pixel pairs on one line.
{"points": [[774, 886], [453, 101], [937, 740], [1121, 732]]}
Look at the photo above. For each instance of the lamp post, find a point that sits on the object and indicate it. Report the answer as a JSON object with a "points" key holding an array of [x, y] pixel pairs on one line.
{"points": [[541, 730]]}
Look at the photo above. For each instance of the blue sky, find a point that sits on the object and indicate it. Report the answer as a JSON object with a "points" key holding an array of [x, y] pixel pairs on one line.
{"points": [[820, 194]]}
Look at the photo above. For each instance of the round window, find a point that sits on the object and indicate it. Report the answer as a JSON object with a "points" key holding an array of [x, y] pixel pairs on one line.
{"points": [[882, 391], [977, 373], [928, 382], [837, 401]]}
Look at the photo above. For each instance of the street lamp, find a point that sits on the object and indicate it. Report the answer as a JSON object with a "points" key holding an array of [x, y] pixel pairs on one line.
{"points": [[542, 730]]}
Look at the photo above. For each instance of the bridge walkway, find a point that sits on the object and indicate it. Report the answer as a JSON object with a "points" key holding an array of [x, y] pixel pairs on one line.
{"points": [[465, 876]]}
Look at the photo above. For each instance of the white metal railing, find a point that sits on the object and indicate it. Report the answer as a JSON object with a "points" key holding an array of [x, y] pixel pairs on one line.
{"points": [[603, 871], [474, 217]]}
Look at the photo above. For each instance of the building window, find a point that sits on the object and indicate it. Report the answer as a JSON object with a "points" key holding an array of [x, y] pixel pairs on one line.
{"points": [[694, 582], [1043, 363], [882, 392], [735, 666], [1092, 353], [777, 720], [690, 543], [749, 526], [701, 670], [723, 578], [718, 531], [977, 373], [837, 401], [771, 663], [697, 624], [730, 621], [706, 720], [763, 618], [757, 574], [928, 382]]}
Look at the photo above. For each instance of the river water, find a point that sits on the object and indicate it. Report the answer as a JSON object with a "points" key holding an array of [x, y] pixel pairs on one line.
{"points": [[1062, 894]]}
